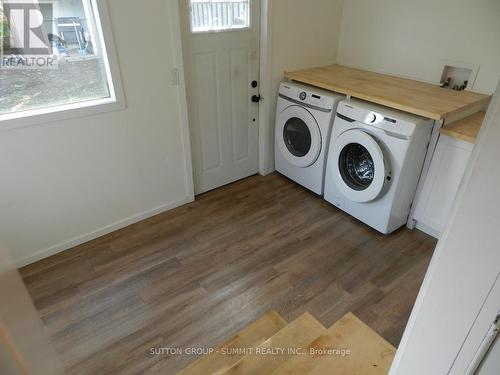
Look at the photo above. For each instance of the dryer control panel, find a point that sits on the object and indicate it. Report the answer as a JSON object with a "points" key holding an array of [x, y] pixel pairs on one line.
{"points": [[309, 96]]}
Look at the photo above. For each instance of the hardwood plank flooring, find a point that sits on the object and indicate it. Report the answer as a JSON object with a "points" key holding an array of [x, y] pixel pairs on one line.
{"points": [[196, 275]]}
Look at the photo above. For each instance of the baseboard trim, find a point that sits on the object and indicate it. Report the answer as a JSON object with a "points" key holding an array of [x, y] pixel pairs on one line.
{"points": [[66, 245], [267, 171], [428, 230]]}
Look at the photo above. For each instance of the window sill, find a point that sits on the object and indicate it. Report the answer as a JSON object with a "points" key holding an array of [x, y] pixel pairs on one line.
{"points": [[59, 113], [217, 31]]}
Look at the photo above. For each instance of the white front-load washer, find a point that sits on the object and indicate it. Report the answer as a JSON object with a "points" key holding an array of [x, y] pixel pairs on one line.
{"points": [[375, 161], [304, 120]]}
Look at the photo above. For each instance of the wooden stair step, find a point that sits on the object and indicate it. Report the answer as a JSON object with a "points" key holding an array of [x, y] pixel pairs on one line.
{"points": [[298, 334], [250, 337], [369, 354]]}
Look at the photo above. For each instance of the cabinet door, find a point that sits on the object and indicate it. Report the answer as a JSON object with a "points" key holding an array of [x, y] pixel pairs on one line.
{"points": [[440, 188]]}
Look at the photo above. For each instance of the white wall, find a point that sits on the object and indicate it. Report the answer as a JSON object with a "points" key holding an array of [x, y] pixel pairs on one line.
{"points": [[66, 182], [463, 271], [412, 38], [302, 34]]}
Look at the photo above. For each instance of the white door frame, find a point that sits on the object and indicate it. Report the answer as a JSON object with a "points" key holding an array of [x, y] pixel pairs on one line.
{"points": [[178, 79], [265, 90]]}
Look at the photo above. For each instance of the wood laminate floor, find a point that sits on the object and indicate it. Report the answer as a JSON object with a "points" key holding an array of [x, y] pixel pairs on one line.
{"points": [[194, 276]]}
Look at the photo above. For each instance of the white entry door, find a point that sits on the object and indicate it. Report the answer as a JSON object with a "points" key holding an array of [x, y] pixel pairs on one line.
{"points": [[221, 57]]}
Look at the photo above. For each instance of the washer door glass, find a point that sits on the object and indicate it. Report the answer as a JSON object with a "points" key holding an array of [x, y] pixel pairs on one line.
{"points": [[360, 169], [356, 166], [297, 137]]}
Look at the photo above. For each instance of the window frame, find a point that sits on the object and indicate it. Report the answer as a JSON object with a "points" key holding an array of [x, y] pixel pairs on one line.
{"points": [[249, 27], [115, 101]]}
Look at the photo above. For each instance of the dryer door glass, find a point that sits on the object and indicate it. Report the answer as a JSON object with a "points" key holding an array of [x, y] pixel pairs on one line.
{"points": [[356, 166], [297, 137]]}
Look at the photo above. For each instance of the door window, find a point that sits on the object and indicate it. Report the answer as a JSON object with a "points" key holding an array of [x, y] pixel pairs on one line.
{"points": [[356, 167], [219, 15], [297, 137]]}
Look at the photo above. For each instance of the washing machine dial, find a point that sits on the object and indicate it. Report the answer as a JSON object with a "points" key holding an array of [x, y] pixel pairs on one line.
{"points": [[374, 118], [303, 95]]}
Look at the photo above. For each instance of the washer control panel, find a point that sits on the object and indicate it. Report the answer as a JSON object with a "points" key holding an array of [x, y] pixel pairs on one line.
{"points": [[383, 122], [378, 117]]}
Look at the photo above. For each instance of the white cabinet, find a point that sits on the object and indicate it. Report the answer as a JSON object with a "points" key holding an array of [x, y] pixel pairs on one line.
{"points": [[441, 185]]}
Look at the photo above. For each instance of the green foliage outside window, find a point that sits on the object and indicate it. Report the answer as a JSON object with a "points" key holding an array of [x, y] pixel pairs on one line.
{"points": [[4, 31]]}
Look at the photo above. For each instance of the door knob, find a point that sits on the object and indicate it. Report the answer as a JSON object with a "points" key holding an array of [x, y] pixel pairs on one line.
{"points": [[256, 98]]}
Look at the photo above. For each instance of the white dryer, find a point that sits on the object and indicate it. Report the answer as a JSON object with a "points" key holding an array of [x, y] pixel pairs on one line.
{"points": [[375, 161], [304, 120]]}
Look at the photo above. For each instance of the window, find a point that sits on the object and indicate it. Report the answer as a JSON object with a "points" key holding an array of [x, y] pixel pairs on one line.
{"points": [[56, 61], [219, 15]]}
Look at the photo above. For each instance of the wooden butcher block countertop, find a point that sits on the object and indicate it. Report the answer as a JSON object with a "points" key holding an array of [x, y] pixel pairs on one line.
{"points": [[466, 129], [407, 95]]}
